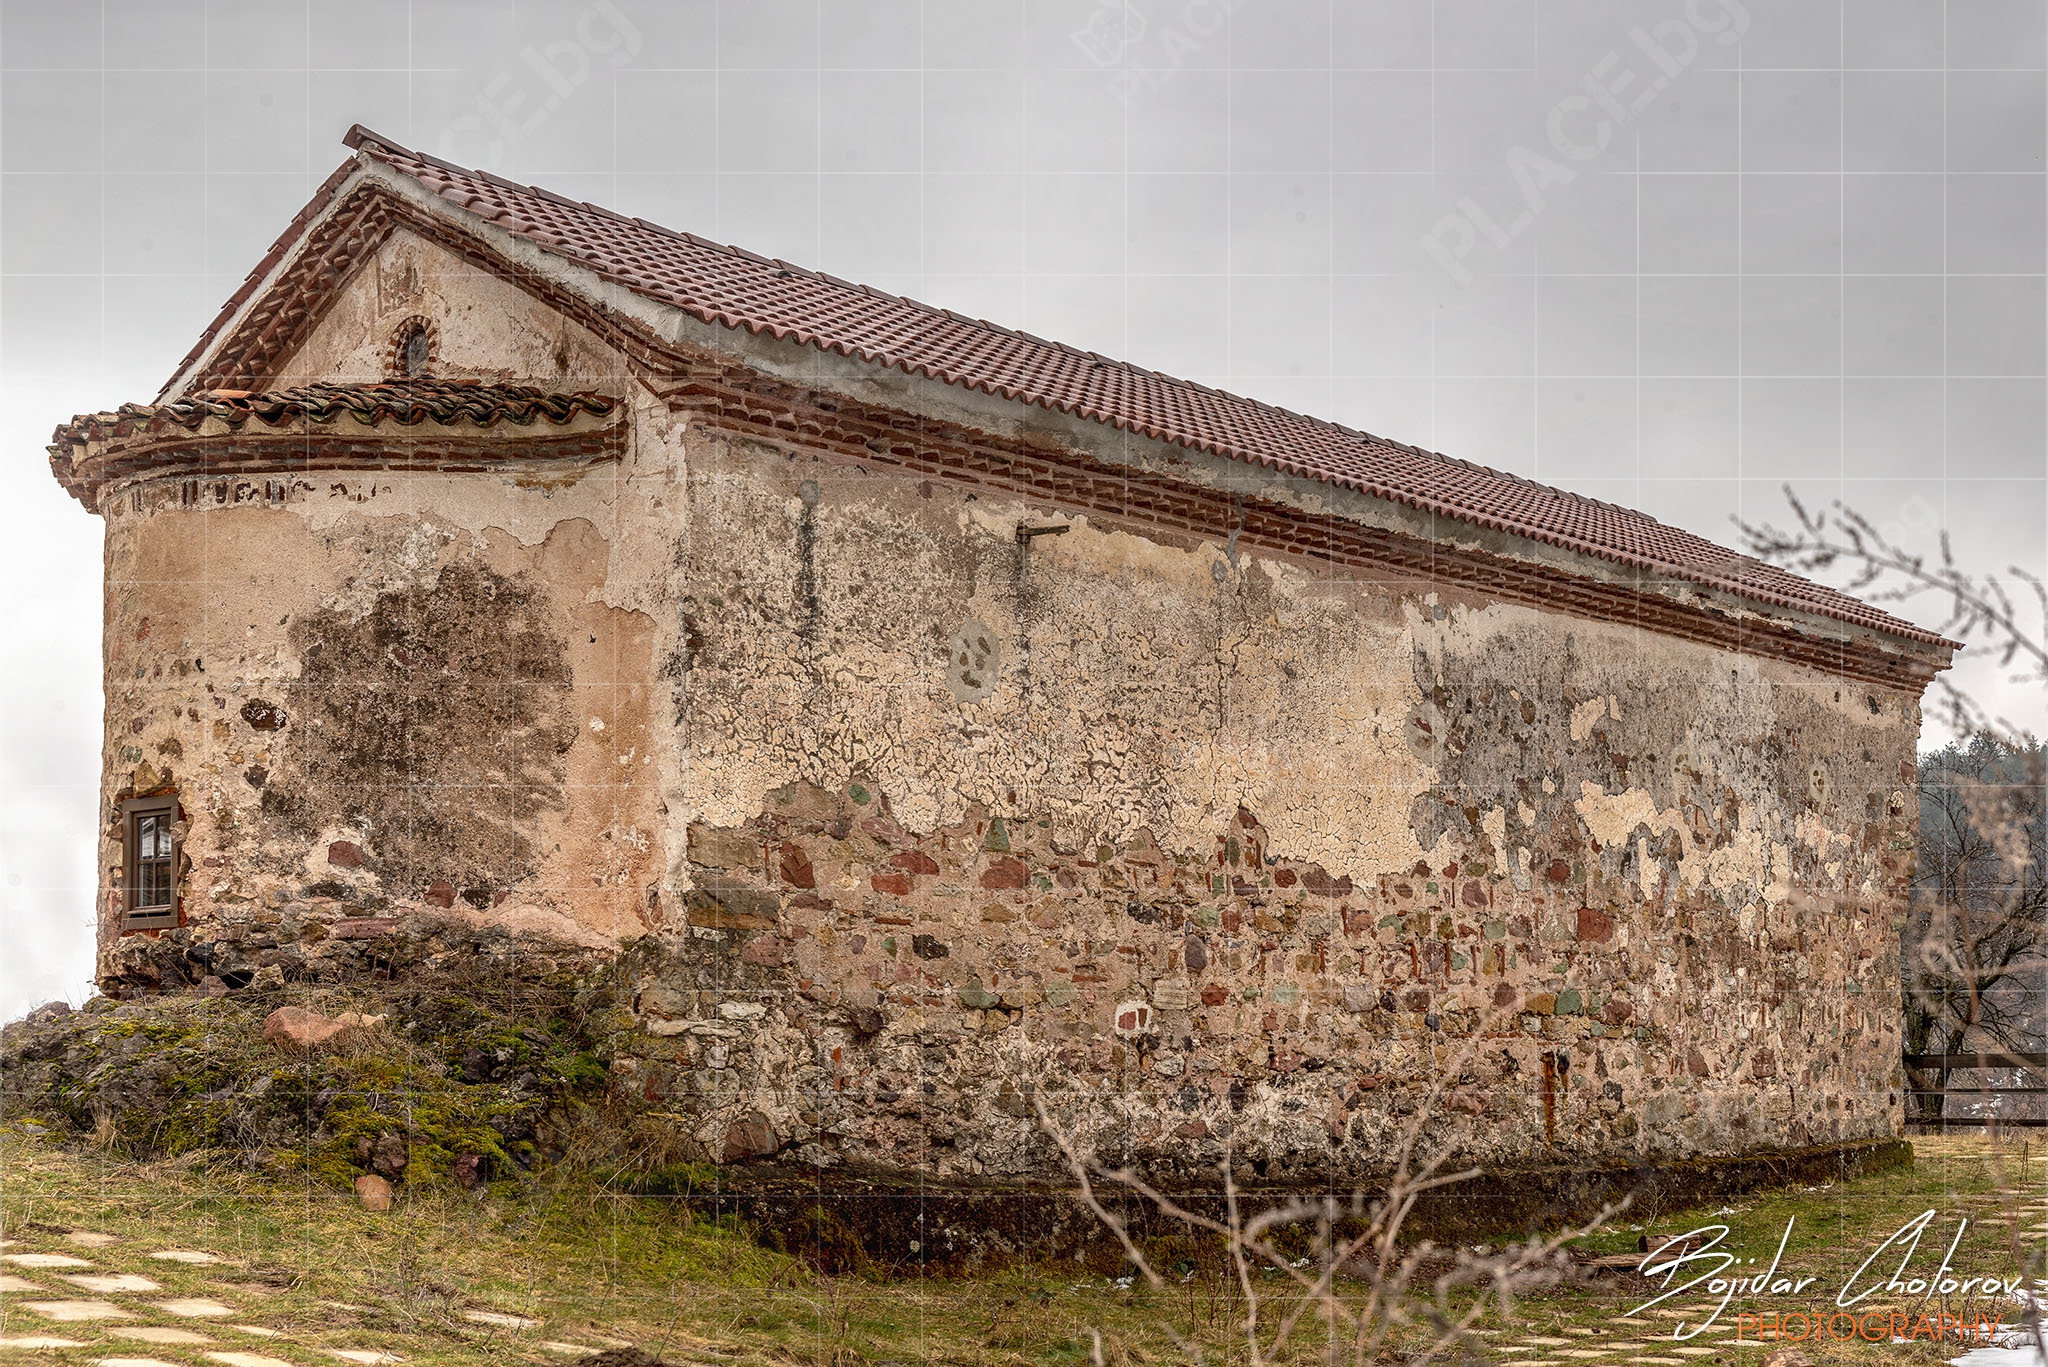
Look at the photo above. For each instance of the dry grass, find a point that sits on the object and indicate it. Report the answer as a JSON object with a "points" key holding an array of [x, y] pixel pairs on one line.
{"points": [[670, 1278]]}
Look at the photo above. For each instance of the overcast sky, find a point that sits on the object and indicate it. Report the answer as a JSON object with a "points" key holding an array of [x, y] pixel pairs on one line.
{"points": [[1802, 240]]}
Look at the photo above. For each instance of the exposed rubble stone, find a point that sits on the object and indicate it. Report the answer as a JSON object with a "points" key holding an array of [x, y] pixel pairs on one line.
{"points": [[296, 1030], [374, 1192]]}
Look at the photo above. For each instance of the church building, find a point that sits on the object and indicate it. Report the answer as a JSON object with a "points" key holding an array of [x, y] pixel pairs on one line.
{"points": [[934, 722]]}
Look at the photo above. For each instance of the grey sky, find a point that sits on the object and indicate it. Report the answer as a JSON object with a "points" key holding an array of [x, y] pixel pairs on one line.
{"points": [[1815, 254]]}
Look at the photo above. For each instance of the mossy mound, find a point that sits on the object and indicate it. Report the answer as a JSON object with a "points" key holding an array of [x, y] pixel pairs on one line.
{"points": [[465, 1078]]}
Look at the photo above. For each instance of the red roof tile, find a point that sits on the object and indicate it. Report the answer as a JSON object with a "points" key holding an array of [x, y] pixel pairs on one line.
{"points": [[406, 402], [326, 426], [738, 289]]}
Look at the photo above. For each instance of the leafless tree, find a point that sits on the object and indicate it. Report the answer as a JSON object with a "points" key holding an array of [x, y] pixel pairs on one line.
{"points": [[1973, 936], [1975, 942], [1976, 930]]}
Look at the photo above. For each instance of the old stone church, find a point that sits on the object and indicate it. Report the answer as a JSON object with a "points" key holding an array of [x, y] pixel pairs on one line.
{"points": [[945, 718]]}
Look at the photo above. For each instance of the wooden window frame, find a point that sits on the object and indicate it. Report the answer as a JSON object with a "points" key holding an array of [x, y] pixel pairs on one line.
{"points": [[161, 807]]}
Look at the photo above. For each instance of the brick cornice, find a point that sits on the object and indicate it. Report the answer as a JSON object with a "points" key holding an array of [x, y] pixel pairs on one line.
{"points": [[99, 471], [741, 401]]}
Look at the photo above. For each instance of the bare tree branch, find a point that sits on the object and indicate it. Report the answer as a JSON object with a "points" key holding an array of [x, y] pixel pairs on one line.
{"points": [[1974, 945], [1371, 1251], [1980, 608]]}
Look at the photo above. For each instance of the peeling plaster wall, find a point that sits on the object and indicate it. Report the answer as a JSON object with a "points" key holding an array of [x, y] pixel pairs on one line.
{"points": [[1194, 844], [388, 692], [482, 325], [389, 712], [902, 826]]}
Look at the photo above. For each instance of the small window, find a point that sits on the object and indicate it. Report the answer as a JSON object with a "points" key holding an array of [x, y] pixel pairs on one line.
{"points": [[412, 349], [416, 352], [149, 872]]}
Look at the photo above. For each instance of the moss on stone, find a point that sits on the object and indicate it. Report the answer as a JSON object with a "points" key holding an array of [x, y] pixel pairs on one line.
{"points": [[500, 1068]]}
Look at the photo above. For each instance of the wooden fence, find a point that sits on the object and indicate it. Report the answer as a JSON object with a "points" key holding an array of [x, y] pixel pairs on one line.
{"points": [[1932, 1075]]}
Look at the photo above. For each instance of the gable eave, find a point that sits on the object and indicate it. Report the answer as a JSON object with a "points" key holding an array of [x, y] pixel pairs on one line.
{"points": [[521, 256], [221, 335], [231, 350]]}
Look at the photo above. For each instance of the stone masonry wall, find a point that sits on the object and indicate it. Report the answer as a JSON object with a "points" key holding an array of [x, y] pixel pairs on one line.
{"points": [[1202, 848]]}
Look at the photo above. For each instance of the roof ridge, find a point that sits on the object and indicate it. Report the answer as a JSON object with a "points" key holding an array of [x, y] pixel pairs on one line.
{"points": [[358, 136], [722, 284], [951, 315]]}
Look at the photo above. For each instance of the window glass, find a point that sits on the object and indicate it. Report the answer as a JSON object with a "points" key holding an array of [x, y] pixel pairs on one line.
{"points": [[152, 882]]}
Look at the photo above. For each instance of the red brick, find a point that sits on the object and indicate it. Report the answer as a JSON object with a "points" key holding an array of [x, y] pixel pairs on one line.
{"points": [[796, 866], [363, 927], [1004, 874], [734, 288]]}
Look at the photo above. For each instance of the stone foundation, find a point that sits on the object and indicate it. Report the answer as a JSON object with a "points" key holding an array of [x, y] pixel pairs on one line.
{"points": [[877, 1220]]}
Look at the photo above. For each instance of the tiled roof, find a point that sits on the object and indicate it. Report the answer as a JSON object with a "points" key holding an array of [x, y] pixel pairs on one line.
{"points": [[406, 402], [738, 289]]}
